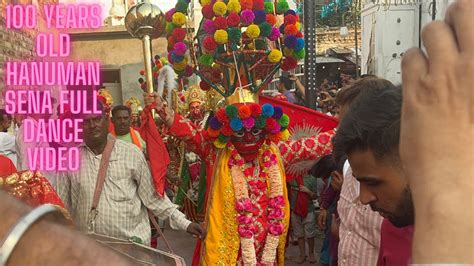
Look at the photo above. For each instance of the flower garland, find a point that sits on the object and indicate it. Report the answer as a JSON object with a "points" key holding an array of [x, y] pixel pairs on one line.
{"points": [[244, 180]]}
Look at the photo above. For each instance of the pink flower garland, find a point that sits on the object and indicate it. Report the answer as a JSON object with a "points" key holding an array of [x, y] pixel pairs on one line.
{"points": [[247, 210]]}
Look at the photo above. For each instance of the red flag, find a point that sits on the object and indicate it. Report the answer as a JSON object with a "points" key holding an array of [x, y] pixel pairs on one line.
{"points": [[156, 149], [300, 115]]}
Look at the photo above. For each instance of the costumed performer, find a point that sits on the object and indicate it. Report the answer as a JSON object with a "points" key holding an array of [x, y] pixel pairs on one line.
{"points": [[247, 210]]}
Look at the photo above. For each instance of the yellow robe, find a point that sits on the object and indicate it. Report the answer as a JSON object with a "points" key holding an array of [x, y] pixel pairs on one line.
{"points": [[222, 242]]}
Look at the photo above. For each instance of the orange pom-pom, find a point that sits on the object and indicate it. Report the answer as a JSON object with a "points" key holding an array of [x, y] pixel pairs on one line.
{"points": [[275, 137], [271, 19], [213, 133], [246, 4], [291, 30], [244, 112]]}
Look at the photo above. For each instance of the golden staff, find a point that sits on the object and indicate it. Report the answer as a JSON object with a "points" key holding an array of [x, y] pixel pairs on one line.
{"points": [[146, 21]]}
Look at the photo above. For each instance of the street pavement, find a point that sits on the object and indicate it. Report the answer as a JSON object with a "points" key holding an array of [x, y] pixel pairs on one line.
{"points": [[183, 245]]}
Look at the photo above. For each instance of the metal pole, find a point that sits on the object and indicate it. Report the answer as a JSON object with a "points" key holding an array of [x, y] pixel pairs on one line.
{"points": [[309, 16], [147, 55], [356, 24]]}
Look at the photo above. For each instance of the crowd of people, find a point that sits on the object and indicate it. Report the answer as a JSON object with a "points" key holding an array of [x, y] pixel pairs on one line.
{"points": [[393, 177], [291, 89]]}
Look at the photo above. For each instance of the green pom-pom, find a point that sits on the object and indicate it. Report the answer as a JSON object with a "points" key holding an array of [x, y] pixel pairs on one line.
{"points": [[231, 111], [300, 54], [223, 138], [234, 34], [234, 46], [260, 122], [269, 7], [260, 45], [220, 49], [182, 7], [284, 121], [169, 27], [206, 59], [265, 29], [282, 7]]}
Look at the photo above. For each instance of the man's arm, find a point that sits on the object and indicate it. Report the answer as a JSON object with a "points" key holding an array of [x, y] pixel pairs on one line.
{"points": [[48, 243], [162, 207], [310, 148], [179, 126], [299, 86]]}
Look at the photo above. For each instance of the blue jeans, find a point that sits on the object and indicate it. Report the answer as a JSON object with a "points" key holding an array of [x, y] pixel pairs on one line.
{"points": [[325, 257]]}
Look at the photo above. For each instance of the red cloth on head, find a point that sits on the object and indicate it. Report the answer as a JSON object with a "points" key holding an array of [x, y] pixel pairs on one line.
{"points": [[156, 149]]}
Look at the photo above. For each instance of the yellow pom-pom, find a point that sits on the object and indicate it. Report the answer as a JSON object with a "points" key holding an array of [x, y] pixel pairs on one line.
{"points": [[253, 31], [219, 8], [298, 26], [205, 2], [179, 19], [219, 144], [274, 56], [285, 135], [180, 66], [221, 36], [234, 6]]}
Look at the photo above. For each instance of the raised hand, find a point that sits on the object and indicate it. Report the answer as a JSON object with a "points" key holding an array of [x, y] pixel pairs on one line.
{"points": [[436, 141]]}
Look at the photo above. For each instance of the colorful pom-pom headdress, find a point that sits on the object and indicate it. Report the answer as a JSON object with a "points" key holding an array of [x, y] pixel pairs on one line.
{"points": [[234, 118], [238, 47], [239, 44]]}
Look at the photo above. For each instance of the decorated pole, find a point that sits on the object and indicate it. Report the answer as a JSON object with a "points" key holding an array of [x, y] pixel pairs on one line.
{"points": [[309, 17], [145, 21]]}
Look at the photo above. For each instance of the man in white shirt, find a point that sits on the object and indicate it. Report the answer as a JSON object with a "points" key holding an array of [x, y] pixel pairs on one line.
{"points": [[127, 192], [7, 141]]}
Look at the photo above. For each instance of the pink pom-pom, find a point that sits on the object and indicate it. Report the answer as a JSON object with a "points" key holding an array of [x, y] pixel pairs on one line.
{"points": [[169, 15], [180, 48], [209, 26], [274, 35], [247, 16], [249, 122]]}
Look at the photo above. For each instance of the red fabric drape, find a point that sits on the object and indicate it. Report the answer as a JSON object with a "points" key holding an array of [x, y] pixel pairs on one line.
{"points": [[302, 200], [156, 149]]}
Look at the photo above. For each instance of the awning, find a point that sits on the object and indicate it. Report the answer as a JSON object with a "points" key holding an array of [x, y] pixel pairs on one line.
{"points": [[328, 60]]}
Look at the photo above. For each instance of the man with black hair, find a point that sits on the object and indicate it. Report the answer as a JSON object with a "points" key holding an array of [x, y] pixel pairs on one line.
{"points": [[285, 87], [122, 127], [128, 190], [7, 141], [369, 135], [359, 226]]}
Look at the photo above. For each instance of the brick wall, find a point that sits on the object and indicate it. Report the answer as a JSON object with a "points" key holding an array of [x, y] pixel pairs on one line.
{"points": [[16, 44]]}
